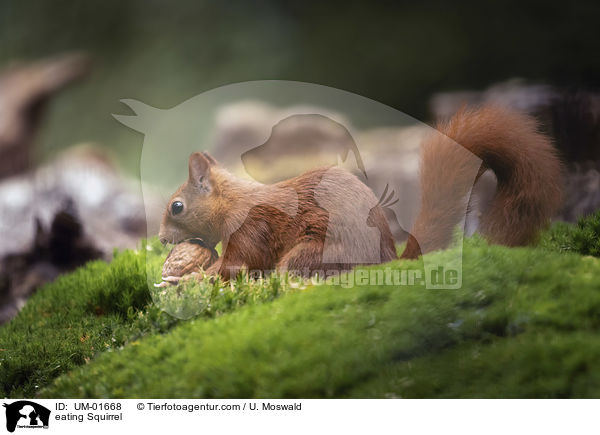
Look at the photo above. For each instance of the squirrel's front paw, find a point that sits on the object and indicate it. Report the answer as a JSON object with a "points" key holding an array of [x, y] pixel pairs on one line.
{"points": [[168, 281], [176, 280]]}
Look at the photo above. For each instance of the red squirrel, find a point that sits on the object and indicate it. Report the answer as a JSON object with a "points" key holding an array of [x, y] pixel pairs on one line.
{"points": [[266, 238]]}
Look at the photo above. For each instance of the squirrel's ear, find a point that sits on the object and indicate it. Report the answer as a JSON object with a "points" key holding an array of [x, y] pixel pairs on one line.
{"points": [[199, 167]]}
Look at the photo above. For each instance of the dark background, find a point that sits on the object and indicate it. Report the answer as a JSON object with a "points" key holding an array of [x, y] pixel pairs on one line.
{"points": [[399, 53]]}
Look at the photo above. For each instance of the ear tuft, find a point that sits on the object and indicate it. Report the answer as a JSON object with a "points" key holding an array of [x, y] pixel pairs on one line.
{"points": [[209, 158]]}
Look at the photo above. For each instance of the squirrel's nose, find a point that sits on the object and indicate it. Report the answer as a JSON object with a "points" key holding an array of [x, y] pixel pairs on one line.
{"points": [[163, 240]]}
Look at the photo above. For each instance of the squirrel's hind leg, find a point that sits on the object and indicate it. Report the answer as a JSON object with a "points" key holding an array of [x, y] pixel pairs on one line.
{"points": [[304, 259]]}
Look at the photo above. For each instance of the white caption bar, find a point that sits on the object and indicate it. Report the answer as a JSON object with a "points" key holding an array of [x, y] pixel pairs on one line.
{"points": [[154, 416]]}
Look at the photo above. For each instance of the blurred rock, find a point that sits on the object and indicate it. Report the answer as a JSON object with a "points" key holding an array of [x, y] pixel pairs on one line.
{"points": [[74, 209], [58, 249], [247, 128], [109, 205], [582, 187], [24, 91], [513, 93]]}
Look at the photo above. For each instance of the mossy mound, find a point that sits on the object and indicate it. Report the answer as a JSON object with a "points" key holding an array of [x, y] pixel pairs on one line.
{"points": [[524, 324]]}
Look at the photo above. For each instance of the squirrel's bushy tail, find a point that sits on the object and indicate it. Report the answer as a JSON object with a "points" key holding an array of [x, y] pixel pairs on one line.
{"points": [[524, 161]]}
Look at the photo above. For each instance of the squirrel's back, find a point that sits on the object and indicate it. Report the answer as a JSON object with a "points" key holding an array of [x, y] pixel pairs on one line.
{"points": [[356, 230], [324, 220]]}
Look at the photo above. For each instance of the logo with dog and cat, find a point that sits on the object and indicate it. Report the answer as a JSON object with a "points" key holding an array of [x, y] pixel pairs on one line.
{"points": [[257, 163], [25, 414]]}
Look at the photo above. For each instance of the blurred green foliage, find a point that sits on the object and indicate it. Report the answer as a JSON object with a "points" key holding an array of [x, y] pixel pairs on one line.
{"points": [[398, 53]]}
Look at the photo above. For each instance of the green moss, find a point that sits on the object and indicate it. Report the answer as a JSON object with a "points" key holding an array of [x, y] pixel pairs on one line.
{"points": [[102, 307], [69, 321], [583, 238], [530, 365], [532, 311], [524, 324], [586, 237]]}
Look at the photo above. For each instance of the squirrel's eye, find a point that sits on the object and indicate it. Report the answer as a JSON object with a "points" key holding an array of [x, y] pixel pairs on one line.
{"points": [[177, 207]]}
